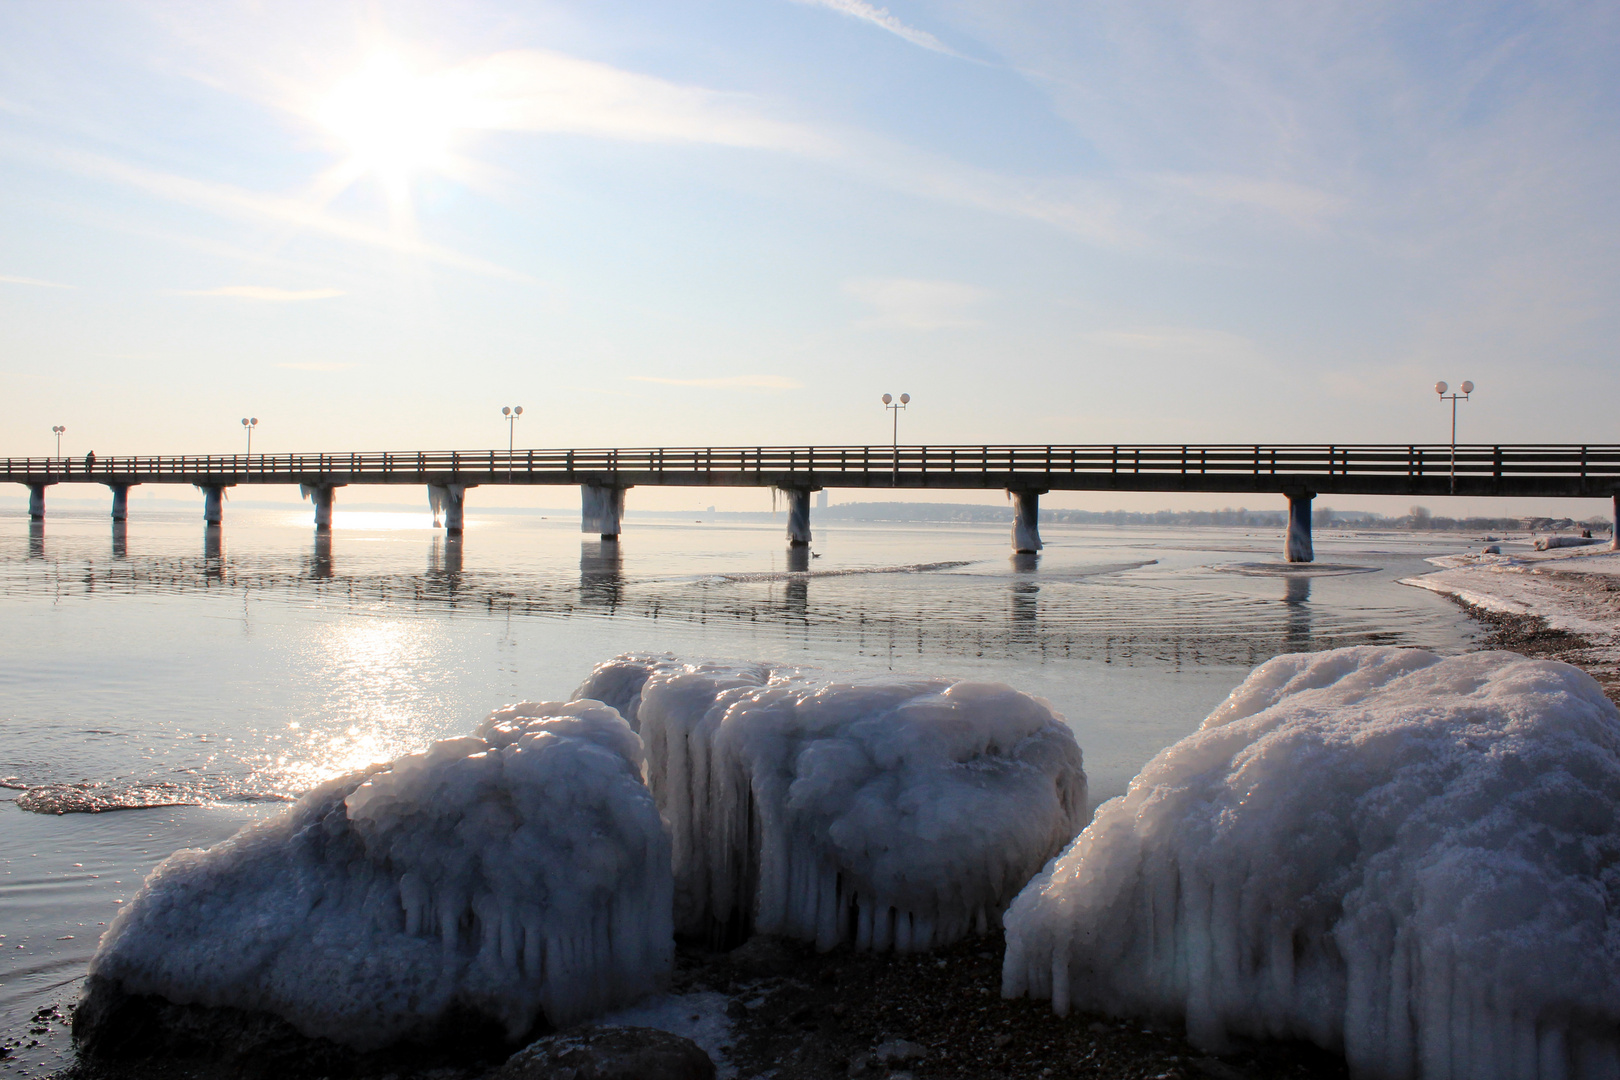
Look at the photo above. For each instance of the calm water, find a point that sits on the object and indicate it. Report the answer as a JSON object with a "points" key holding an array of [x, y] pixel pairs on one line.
{"points": [[165, 665]]}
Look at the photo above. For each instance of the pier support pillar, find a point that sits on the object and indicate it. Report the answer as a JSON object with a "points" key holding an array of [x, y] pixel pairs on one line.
{"points": [[1299, 527], [322, 496], [447, 501], [601, 509], [1026, 530], [1614, 530], [36, 501], [120, 506], [798, 523], [213, 503]]}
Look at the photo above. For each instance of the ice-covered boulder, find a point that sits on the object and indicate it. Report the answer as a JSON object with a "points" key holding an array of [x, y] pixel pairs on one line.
{"points": [[519, 873], [1411, 858], [890, 813], [618, 682]]}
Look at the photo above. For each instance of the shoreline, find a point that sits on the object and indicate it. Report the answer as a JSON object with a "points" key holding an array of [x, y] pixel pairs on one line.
{"points": [[796, 1014]]}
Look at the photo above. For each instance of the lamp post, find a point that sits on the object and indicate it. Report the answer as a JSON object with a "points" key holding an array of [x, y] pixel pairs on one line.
{"points": [[895, 407], [1441, 388], [57, 430], [250, 422], [511, 412]]}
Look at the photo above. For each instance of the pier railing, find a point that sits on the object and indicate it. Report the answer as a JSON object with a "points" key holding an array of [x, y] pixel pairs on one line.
{"points": [[560, 466]]}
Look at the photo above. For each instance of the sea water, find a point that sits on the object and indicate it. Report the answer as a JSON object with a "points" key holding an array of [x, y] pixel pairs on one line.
{"points": [[210, 675]]}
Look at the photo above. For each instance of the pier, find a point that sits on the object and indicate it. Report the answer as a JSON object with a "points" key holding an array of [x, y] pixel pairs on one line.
{"points": [[1296, 472]]}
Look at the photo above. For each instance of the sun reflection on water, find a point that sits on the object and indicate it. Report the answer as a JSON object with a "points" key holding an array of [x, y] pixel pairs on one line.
{"points": [[370, 676]]}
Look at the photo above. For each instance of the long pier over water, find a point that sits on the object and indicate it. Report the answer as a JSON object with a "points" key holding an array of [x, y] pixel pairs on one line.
{"points": [[1298, 472]]}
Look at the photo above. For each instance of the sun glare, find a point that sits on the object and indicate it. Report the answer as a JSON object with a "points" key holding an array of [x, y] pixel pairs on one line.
{"points": [[395, 122]]}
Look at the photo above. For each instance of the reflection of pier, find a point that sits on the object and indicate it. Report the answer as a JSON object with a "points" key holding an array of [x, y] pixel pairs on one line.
{"points": [[1026, 472], [930, 610], [1025, 605], [1297, 597], [601, 574], [320, 557]]}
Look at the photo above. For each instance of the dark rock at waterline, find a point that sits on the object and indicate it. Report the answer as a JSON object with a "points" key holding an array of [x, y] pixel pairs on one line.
{"points": [[112, 1027], [609, 1053]]}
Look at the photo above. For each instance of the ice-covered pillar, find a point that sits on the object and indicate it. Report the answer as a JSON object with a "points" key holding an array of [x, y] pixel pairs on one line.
{"points": [[322, 496], [798, 523], [120, 507], [601, 509], [213, 503], [36, 501], [1299, 526], [1026, 532], [447, 501]]}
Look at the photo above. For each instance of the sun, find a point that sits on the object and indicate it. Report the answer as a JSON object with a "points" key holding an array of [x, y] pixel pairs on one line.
{"points": [[395, 122]]}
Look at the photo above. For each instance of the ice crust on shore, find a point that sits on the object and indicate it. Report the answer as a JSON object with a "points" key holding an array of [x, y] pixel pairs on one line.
{"points": [[893, 814], [1413, 858], [520, 871]]}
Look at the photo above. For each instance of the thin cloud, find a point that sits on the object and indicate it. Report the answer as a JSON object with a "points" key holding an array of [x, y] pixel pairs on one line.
{"points": [[315, 366], [884, 20], [33, 281], [266, 293], [537, 90], [229, 201], [729, 382], [916, 304]]}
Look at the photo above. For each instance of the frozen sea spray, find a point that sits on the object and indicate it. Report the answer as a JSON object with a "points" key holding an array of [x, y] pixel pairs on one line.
{"points": [[889, 813], [1411, 858], [516, 874]]}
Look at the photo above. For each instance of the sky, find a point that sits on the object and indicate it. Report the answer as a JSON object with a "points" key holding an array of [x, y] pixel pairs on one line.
{"points": [[371, 225]]}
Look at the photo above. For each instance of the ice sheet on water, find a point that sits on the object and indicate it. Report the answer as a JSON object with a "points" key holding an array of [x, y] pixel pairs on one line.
{"points": [[516, 872], [892, 813], [1414, 858]]}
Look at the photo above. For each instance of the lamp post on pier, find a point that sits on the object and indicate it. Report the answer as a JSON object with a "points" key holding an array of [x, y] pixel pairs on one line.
{"points": [[250, 422], [57, 429], [895, 407], [1441, 388], [511, 412]]}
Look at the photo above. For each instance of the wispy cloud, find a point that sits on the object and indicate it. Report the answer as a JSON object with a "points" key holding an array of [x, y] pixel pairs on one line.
{"points": [[728, 382], [915, 304], [881, 18], [229, 201], [543, 91], [315, 366], [266, 293], [5, 280]]}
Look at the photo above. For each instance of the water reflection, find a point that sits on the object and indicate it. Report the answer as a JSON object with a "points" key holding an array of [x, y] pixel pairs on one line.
{"points": [[444, 562], [1025, 603], [213, 553], [796, 594], [320, 559], [36, 539], [120, 540], [1297, 597], [601, 573]]}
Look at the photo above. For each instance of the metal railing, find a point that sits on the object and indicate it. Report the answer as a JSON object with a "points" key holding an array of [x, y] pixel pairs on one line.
{"points": [[1413, 460]]}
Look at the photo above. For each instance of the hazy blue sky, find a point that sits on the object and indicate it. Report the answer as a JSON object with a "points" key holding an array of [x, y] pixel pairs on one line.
{"points": [[373, 224]]}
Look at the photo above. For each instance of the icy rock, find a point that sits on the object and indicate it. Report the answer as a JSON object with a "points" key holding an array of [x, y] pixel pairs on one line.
{"points": [[1411, 858], [1548, 543], [519, 873], [893, 814], [609, 1053], [618, 682]]}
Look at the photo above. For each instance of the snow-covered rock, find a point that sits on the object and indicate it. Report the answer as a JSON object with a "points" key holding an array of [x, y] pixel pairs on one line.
{"points": [[892, 813], [519, 872], [618, 682], [1413, 858]]}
